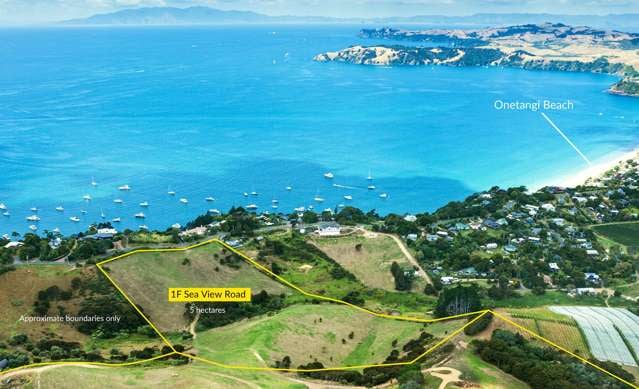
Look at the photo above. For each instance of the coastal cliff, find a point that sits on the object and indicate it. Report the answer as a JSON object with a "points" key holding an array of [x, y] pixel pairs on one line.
{"points": [[535, 47]]}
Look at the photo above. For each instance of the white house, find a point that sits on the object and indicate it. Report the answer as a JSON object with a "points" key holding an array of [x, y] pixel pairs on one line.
{"points": [[329, 229], [12, 245], [448, 280]]}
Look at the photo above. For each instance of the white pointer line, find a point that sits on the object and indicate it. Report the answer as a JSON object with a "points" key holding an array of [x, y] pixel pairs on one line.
{"points": [[566, 139]]}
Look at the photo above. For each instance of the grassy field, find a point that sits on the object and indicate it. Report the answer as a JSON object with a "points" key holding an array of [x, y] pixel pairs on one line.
{"points": [[18, 292], [194, 375], [145, 277], [368, 257], [474, 369], [306, 333], [626, 234], [312, 270]]}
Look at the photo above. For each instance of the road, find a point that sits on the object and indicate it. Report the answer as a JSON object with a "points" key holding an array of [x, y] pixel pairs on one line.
{"points": [[411, 258]]}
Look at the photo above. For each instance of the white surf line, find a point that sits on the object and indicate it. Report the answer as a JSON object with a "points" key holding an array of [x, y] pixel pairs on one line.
{"points": [[566, 139]]}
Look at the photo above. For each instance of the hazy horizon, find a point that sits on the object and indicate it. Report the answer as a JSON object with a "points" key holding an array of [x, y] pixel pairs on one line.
{"points": [[20, 12]]}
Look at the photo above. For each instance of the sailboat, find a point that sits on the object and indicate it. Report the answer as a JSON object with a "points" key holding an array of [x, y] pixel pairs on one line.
{"points": [[383, 195], [329, 175], [370, 181], [74, 219], [118, 201], [33, 218], [59, 208], [86, 197], [170, 192], [93, 182], [318, 198], [116, 220], [348, 197], [3, 207], [209, 199], [144, 204], [124, 187], [140, 215], [102, 215], [184, 201], [289, 188]]}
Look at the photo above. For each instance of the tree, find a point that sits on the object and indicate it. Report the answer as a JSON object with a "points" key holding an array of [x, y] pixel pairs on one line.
{"points": [[458, 300]]}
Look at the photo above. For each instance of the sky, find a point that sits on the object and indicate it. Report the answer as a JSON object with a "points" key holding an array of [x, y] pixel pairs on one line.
{"points": [[16, 12]]}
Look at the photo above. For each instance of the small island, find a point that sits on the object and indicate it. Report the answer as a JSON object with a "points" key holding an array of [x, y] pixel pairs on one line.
{"points": [[549, 46]]}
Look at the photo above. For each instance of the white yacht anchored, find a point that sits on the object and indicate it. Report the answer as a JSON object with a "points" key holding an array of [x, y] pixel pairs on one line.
{"points": [[184, 201], [329, 175], [124, 187], [74, 219], [118, 201], [144, 204], [348, 197], [140, 215], [33, 218], [59, 208], [209, 199]]}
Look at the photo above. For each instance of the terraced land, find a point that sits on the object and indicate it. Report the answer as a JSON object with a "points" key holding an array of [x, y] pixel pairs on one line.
{"points": [[608, 331], [557, 328]]}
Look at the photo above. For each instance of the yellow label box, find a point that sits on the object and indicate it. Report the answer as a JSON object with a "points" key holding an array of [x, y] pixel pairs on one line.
{"points": [[209, 295]]}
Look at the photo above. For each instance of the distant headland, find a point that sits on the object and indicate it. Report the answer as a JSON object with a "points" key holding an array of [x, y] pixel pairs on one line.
{"points": [[548, 46]]}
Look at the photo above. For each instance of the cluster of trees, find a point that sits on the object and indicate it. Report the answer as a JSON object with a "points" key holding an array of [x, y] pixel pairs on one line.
{"points": [[87, 248], [545, 368], [110, 305], [44, 298], [479, 325], [458, 300], [240, 222], [403, 278]]}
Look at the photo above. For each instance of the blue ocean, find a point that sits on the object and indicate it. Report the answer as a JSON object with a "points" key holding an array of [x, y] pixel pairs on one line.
{"points": [[219, 111]]}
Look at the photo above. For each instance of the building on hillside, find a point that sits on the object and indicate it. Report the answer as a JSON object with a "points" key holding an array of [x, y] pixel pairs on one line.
{"points": [[410, 218], [11, 245], [329, 229], [592, 277]]}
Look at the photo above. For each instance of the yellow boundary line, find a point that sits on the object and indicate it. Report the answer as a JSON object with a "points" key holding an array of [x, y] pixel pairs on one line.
{"points": [[479, 314]]}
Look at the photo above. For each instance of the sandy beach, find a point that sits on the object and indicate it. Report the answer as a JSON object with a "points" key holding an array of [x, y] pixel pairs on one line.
{"points": [[595, 170]]}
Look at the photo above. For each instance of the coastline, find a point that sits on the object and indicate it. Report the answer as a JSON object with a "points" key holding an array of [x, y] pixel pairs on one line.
{"points": [[596, 170]]}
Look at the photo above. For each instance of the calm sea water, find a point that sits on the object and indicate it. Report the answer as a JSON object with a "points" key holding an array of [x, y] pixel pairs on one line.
{"points": [[222, 111]]}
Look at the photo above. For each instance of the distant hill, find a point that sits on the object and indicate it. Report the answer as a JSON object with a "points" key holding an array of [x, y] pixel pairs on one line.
{"points": [[187, 16], [206, 15]]}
